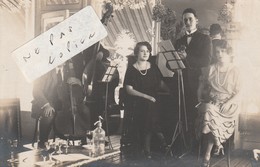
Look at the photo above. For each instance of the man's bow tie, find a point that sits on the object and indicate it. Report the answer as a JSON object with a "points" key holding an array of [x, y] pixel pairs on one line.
{"points": [[189, 35]]}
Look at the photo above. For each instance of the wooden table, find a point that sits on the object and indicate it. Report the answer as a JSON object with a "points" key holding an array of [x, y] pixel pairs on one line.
{"points": [[76, 156]]}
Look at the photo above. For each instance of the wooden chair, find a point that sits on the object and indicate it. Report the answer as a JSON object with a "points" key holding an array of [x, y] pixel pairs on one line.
{"points": [[114, 118], [125, 140], [36, 134], [227, 148]]}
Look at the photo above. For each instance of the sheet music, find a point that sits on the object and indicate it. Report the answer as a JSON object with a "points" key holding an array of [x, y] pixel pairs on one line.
{"points": [[109, 74], [171, 55]]}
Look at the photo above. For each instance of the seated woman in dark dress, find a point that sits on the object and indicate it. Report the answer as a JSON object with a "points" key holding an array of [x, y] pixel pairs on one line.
{"points": [[142, 82]]}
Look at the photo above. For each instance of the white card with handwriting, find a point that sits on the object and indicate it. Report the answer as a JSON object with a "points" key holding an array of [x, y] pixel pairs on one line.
{"points": [[60, 43]]}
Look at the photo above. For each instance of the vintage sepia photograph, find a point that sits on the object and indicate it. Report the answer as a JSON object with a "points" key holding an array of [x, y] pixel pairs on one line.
{"points": [[122, 83]]}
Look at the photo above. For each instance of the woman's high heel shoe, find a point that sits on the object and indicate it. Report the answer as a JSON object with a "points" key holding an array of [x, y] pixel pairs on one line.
{"points": [[219, 150]]}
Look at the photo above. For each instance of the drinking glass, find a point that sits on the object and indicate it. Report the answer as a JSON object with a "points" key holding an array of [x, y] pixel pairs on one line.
{"points": [[13, 145], [59, 146], [66, 146], [89, 135], [50, 148]]}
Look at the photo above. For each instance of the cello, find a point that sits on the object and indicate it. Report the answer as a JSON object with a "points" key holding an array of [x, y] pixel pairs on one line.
{"points": [[102, 97], [73, 120], [89, 74]]}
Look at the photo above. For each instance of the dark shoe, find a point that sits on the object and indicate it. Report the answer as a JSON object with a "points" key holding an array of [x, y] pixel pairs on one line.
{"points": [[205, 163], [148, 155], [167, 150], [147, 146], [219, 150]]}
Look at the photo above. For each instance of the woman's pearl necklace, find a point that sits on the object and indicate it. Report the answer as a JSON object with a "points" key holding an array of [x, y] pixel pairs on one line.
{"points": [[140, 70], [218, 77]]}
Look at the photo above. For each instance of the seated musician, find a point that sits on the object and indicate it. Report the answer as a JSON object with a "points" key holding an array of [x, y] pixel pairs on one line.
{"points": [[46, 102], [142, 83], [51, 97]]}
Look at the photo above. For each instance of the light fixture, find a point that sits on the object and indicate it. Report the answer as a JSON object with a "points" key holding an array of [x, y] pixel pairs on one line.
{"points": [[15, 5], [226, 12], [132, 4]]}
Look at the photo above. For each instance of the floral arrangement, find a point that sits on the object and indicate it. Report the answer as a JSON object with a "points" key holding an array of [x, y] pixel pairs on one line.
{"points": [[169, 18], [125, 42], [132, 4], [167, 24], [225, 14], [158, 12]]}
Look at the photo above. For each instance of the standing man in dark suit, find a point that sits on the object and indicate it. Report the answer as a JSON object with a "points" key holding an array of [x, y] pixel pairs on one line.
{"points": [[195, 50]]}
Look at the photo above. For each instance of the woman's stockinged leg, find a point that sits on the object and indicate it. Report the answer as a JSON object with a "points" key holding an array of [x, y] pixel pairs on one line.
{"points": [[207, 155], [147, 145], [216, 141], [219, 148]]}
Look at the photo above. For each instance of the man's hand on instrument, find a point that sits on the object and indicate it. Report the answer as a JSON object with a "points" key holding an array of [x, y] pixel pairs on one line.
{"points": [[74, 81], [48, 110], [181, 51]]}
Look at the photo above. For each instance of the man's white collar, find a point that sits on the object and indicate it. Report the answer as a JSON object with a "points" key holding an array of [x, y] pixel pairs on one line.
{"points": [[192, 31]]}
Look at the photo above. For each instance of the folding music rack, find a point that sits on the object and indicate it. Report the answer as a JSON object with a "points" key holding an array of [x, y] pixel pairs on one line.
{"points": [[175, 64], [107, 78]]}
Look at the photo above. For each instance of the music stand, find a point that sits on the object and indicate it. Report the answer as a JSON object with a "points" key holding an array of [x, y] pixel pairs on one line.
{"points": [[175, 64], [108, 76]]}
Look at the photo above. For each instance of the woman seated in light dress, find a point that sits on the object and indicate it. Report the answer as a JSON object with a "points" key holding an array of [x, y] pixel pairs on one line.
{"points": [[218, 94]]}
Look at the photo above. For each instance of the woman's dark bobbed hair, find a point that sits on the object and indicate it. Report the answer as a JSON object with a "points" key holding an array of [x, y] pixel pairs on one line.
{"points": [[223, 44], [138, 46]]}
